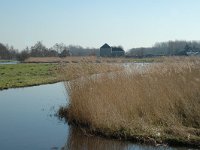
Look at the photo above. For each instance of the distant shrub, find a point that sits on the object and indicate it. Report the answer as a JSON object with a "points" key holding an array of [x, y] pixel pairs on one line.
{"points": [[23, 56]]}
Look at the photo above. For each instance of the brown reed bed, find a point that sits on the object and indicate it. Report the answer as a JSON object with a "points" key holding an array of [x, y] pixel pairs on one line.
{"points": [[71, 71], [90, 59], [158, 105], [75, 59], [69, 59]]}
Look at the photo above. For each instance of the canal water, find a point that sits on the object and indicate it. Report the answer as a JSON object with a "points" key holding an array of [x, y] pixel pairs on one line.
{"points": [[9, 62], [28, 121]]}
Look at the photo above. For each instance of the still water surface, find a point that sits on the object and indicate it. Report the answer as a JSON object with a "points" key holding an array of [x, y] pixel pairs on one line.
{"points": [[9, 62], [28, 122]]}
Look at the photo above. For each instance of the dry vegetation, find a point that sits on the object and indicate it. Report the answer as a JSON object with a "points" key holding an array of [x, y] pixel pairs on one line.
{"points": [[161, 104], [59, 59], [84, 69], [73, 59], [91, 59]]}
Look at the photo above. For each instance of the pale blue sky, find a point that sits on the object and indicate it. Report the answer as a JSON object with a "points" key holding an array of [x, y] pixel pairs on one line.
{"points": [[130, 23]]}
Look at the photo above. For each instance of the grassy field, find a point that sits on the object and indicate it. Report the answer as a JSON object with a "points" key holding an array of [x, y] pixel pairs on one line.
{"points": [[158, 105], [21, 75]]}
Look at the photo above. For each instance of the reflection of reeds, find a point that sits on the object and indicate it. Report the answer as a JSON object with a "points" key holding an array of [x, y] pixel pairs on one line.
{"points": [[161, 102], [77, 140]]}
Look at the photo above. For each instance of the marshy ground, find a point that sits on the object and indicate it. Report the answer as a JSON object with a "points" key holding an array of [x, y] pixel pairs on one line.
{"points": [[43, 70], [30, 74]]}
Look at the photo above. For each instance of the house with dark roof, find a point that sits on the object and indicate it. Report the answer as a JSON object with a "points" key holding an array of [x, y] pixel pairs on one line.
{"points": [[107, 51]]}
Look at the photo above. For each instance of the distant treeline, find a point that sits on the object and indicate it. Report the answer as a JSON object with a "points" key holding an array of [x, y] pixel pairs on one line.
{"points": [[169, 48], [7, 52], [40, 50]]}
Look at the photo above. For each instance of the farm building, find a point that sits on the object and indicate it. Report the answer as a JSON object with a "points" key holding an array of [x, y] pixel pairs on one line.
{"points": [[107, 51]]}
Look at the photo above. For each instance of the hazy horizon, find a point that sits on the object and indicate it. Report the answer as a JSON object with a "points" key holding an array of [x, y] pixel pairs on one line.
{"points": [[90, 23]]}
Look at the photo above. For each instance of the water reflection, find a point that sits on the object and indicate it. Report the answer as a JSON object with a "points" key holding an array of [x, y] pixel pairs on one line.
{"points": [[9, 62], [77, 140], [27, 120]]}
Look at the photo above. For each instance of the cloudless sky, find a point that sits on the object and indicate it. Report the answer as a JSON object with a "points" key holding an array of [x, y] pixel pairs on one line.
{"points": [[91, 23]]}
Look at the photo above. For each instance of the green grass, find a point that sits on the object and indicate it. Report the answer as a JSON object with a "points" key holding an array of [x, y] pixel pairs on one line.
{"points": [[21, 75]]}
